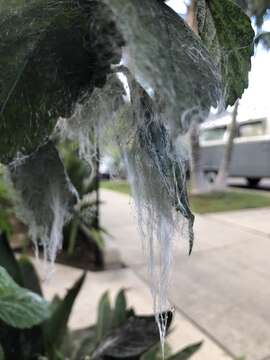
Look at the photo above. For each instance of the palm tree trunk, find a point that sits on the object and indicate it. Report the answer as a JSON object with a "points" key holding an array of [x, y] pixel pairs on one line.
{"points": [[223, 173]]}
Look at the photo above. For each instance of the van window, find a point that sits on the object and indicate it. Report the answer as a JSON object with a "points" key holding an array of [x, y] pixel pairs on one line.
{"points": [[252, 129], [213, 134]]}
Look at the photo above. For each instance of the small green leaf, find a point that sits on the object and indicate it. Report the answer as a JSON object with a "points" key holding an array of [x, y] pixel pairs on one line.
{"points": [[29, 275], [83, 342], [8, 260], [55, 327], [120, 309], [151, 354], [187, 352], [104, 320], [19, 307], [227, 33]]}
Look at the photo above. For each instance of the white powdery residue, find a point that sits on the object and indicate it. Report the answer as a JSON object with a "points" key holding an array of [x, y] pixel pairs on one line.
{"points": [[158, 222], [44, 197]]}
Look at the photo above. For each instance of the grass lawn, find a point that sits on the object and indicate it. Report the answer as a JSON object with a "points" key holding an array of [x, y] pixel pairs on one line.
{"points": [[121, 186], [212, 202]]}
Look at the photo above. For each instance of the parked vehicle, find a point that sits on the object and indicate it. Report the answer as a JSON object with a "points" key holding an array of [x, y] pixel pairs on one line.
{"points": [[251, 151]]}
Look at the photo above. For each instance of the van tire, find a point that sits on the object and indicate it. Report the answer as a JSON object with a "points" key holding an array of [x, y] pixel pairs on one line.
{"points": [[211, 176], [253, 182]]}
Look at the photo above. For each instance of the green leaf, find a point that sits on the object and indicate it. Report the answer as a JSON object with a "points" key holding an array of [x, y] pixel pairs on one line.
{"points": [[40, 198], [30, 277], [92, 234], [83, 343], [264, 39], [55, 327], [227, 33], [104, 320], [120, 309], [49, 59], [8, 260], [166, 56], [2, 355], [187, 352], [19, 307], [151, 354]]}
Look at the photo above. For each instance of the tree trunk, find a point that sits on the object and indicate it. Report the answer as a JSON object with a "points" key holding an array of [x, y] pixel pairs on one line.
{"points": [[192, 17], [223, 173]]}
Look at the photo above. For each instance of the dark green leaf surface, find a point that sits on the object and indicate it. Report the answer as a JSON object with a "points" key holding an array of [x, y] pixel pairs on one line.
{"points": [[49, 59], [131, 340], [104, 320], [2, 355], [29, 275], [228, 34], [56, 326], [120, 309], [8, 260], [19, 307]]}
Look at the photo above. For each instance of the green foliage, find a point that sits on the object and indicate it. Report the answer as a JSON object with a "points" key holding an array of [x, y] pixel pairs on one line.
{"points": [[2, 355], [118, 332], [56, 53], [104, 319], [55, 327], [115, 185], [210, 202], [5, 204], [227, 201], [8, 260], [120, 310], [184, 354], [78, 170], [227, 33], [84, 225], [25, 309], [264, 39], [19, 307], [29, 276], [49, 60]]}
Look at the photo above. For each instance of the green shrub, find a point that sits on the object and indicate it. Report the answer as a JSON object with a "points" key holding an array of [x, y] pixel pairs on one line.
{"points": [[32, 328]]}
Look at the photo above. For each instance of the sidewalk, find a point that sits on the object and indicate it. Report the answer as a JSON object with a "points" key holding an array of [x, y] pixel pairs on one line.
{"points": [[85, 309], [222, 289]]}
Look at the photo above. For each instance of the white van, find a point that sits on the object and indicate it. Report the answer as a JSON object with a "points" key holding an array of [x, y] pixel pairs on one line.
{"points": [[251, 151]]}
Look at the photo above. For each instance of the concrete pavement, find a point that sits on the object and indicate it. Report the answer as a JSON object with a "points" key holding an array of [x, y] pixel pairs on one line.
{"points": [[222, 291]]}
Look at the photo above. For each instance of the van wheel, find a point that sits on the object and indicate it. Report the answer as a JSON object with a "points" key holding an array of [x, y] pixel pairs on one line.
{"points": [[253, 182], [211, 176]]}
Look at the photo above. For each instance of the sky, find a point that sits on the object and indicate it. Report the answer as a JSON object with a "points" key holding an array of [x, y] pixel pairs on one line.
{"points": [[256, 99], [178, 5]]}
